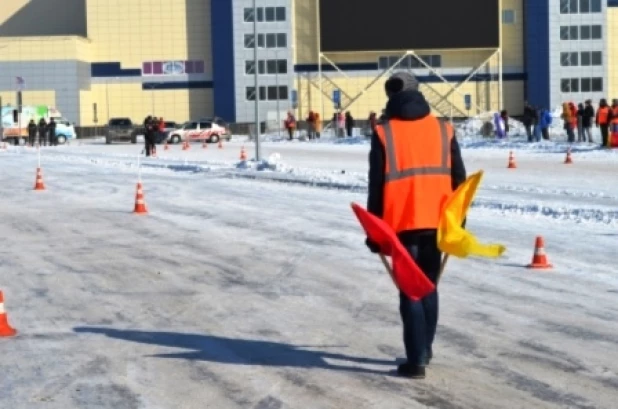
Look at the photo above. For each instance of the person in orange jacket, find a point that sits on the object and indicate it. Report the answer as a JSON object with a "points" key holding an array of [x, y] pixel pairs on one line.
{"points": [[603, 120], [318, 125], [567, 117], [290, 124], [414, 164]]}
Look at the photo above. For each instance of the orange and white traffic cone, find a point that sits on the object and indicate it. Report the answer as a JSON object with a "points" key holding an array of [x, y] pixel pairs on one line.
{"points": [[243, 153], [185, 146], [568, 159], [140, 204], [39, 185], [512, 164], [5, 328], [539, 259], [220, 144]]}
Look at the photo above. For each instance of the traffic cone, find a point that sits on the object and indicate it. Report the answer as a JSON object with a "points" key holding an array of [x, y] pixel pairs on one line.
{"points": [[39, 185], [220, 144], [185, 146], [568, 159], [243, 154], [5, 328], [512, 164], [539, 259], [140, 204]]}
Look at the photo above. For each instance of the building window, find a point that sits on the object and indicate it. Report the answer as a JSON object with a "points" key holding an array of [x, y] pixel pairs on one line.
{"points": [[270, 93], [569, 59], [586, 84], [248, 15], [569, 85], [282, 40], [265, 14], [508, 16], [597, 32], [595, 6], [585, 32], [597, 84], [584, 6], [267, 67], [569, 32], [249, 67], [280, 14], [591, 58], [272, 40], [569, 6], [249, 40]]}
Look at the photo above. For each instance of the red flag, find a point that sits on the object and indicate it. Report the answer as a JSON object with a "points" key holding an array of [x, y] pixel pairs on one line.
{"points": [[407, 275]]}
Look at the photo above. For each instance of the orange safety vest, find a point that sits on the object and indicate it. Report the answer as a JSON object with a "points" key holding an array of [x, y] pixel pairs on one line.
{"points": [[417, 172], [615, 115], [603, 114]]}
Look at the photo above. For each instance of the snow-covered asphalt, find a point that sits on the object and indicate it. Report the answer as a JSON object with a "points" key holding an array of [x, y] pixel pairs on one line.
{"points": [[237, 291]]}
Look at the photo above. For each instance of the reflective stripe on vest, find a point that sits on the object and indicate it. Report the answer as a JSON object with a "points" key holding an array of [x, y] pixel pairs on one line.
{"points": [[395, 174]]}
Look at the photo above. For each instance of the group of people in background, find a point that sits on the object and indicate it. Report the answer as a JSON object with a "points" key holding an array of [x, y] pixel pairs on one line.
{"points": [[152, 126], [343, 124], [578, 120], [46, 133], [581, 118]]}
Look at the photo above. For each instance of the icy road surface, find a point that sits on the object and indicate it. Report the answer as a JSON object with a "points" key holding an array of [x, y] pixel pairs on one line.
{"points": [[243, 293]]}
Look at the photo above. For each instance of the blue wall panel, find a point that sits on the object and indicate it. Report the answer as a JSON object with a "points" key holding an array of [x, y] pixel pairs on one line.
{"points": [[222, 37], [536, 41]]}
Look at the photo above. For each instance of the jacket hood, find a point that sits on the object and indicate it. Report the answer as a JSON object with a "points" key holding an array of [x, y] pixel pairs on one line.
{"points": [[407, 105]]}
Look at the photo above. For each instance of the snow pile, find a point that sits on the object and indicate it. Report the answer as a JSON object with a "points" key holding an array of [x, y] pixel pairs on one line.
{"points": [[273, 163], [475, 126]]}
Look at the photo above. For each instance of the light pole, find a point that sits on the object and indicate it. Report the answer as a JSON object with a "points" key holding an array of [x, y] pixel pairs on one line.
{"points": [[278, 97], [257, 88]]}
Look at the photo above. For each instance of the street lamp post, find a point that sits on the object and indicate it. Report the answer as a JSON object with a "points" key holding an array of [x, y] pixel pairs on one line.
{"points": [[257, 89]]}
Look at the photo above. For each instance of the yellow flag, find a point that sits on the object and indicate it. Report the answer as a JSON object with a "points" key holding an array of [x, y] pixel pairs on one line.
{"points": [[453, 239]]}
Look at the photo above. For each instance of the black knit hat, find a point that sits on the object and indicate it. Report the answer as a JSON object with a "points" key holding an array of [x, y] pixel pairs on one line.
{"points": [[400, 81]]}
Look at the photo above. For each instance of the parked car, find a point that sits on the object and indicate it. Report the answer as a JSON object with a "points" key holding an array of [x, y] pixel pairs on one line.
{"points": [[120, 129], [199, 131], [221, 123], [170, 126]]}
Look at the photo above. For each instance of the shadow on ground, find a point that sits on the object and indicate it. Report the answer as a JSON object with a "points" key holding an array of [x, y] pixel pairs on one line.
{"points": [[235, 351]]}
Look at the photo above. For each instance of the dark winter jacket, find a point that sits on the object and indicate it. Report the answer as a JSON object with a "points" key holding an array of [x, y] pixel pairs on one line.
{"points": [[407, 106], [349, 121], [588, 116], [32, 129], [529, 114]]}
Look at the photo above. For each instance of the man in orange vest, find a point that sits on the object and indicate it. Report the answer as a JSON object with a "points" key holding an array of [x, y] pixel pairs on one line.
{"points": [[603, 120], [414, 164]]}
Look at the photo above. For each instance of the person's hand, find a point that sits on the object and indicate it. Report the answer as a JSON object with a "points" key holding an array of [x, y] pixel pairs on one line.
{"points": [[373, 246]]}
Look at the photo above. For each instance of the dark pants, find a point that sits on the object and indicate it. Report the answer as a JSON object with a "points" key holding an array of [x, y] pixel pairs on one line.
{"points": [[53, 141], [149, 143], [604, 134], [291, 133], [545, 133], [588, 134], [529, 132], [349, 130], [43, 138], [32, 139], [420, 318]]}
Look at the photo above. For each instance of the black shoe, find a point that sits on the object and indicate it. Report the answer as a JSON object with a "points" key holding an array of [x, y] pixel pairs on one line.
{"points": [[411, 371], [429, 356]]}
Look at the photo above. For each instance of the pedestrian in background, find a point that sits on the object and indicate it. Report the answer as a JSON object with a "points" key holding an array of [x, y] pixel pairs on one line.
{"points": [[587, 120], [603, 120], [42, 132]]}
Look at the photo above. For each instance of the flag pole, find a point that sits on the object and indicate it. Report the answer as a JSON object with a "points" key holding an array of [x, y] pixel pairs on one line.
{"points": [[389, 269], [442, 267]]}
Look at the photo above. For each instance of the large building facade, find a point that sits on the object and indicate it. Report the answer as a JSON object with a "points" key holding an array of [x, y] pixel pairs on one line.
{"points": [[184, 59]]}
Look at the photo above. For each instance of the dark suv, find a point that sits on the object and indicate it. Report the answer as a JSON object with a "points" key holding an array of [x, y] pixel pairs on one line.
{"points": [[120, 129]]}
